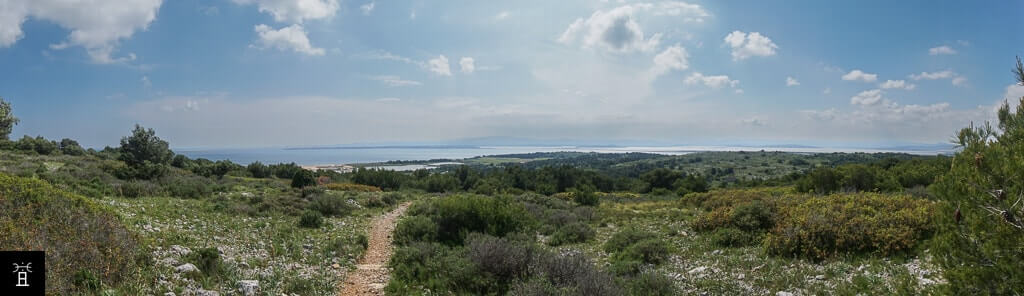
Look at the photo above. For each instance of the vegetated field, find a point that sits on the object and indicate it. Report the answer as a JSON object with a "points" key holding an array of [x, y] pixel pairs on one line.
{"points": [[199, 233], [236, 229], [646, 245]]}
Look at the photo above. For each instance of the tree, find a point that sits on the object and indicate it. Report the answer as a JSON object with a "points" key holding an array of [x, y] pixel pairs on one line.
{"points": [[259, 170], [70, 147], [145, 154], [980, 233], [660, 178], [303, 178], [7, 119]]}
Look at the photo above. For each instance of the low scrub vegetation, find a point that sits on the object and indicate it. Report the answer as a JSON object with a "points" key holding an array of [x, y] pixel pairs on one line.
{"points": [[80, 237], [815, 226]]}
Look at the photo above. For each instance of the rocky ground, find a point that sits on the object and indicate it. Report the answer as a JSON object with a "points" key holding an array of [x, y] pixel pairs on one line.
{"points": [[264, 255], [371, 274]]}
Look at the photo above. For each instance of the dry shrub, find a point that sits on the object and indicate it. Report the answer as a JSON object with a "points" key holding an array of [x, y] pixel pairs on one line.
{"points": [[76, 233], [352, 187], [849, 223]]}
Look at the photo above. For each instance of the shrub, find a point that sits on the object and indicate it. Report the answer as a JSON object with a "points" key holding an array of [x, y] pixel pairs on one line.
{"points": [[731, 237], [86, 281], [391, 198], [506, 260], [626, 237], [849, 223], [752, 216], [574, 271], [302, 179], [135, 189], [187, 187], [311, 191], [330, 205], [586, 197], [89, 231], [311, 219], [432, 266], [652, 284], [415, 229], [351, 187], [374, 202], [572, 233], [207, 260], [651, 251], [459, 215]]}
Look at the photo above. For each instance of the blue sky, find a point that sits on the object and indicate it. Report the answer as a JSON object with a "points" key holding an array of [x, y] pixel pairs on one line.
{"points": [[244, 73]]}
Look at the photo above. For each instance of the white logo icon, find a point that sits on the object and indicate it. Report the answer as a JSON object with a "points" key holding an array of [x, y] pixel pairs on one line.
{"points": [[22, 271]]}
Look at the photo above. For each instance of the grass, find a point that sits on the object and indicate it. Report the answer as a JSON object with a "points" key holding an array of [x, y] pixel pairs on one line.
{"points": [[700, 266], [272, 249]]}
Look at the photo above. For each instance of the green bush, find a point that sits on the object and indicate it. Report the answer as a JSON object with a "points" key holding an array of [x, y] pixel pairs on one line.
{"points": [[571, 234], [625, 238], [135, 189], [752, 216], [458, 215], [207, 260], [650, 251], [851, 223], [89, 231], [415, 229], [311, 219], [187, 187], [652, 284], [86, 281], [632, 248], [330, 205], [303, 178], [731, 237], [505, 260], [586, 197]]}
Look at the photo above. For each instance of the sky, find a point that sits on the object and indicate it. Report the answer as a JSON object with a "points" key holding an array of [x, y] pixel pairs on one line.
{"points": [[267, 73]]}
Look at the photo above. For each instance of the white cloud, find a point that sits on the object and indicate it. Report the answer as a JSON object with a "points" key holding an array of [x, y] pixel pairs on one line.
{"points": [[389, 100], [288, 38], [145, 82], [97, 26], [395, 81], [690, 12], [613, 30], [501, 15], [749, 45], [440, 66], [955, 79], [368, 7], [867, 97], [467, 64], [295, 11], [717, 81], [790, 81], [673, 58], [888, 84], [857, 74], [933, 75], [827, 90], [959, 81], [940, 50], [754, 122]]}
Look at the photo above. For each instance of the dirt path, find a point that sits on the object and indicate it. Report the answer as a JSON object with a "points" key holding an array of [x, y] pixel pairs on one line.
{"points": [[371, 274]]}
